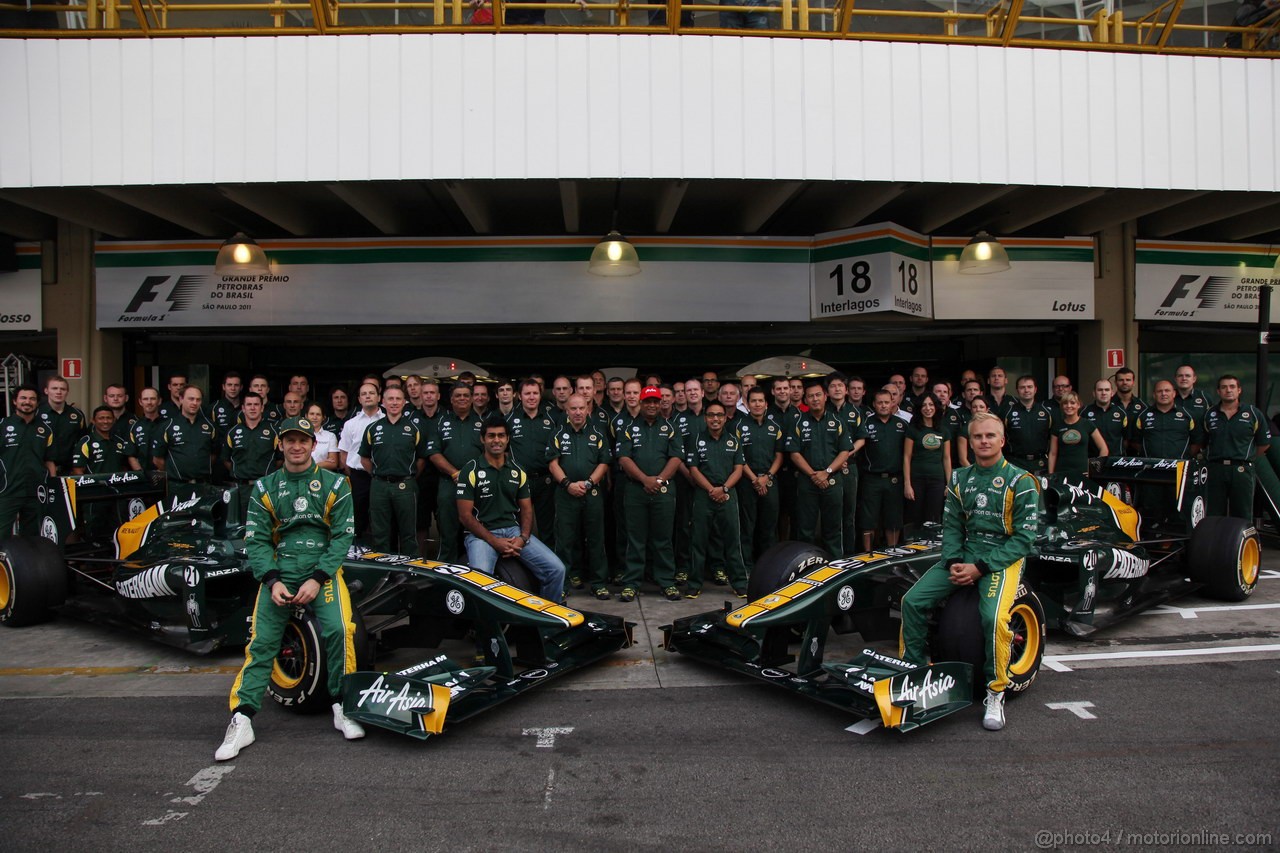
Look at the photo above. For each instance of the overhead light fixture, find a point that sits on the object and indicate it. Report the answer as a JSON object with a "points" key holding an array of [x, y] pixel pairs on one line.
{"points": [[614, 255], [241, 254], [983, 254]]}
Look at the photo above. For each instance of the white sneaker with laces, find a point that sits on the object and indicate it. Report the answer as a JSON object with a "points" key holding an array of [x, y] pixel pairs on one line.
{"points": [[993, 719], [239, 735], [351, 730]]}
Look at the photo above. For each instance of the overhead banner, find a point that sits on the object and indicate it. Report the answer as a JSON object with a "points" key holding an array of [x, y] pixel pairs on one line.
{"points": [[869, 270], [1202, 282], [20, 299], [1047, 279]]}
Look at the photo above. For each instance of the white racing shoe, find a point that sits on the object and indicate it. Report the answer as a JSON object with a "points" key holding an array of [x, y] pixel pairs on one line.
{"points": [[351, 730], [993, 719], [239, 735]]}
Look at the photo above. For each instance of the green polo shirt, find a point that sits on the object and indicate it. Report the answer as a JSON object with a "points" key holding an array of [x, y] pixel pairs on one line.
{"points": [[618, 425], [761, 442], [1195, 404], [715, 457], [24, 448], [850, 415], [224, 415], [98, 455], [142, 434], [884, 443], [187, 448], [927, 449], [1237, 437], [121, 428], [455, 438], [819, 440], [1027, 431], [1074, 441], [1112, 423], [68, 426], [1167, 435], [579, 450], [393, 448], [529, 439], [496, 492], [251, 451], [689, 426], [650, 445]]}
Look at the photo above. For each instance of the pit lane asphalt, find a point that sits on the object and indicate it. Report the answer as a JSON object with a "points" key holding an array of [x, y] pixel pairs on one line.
{"points": [[108, 743]]}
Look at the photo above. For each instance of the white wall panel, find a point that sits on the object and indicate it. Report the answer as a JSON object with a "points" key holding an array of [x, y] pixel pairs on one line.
{"points": [[425, 106]]}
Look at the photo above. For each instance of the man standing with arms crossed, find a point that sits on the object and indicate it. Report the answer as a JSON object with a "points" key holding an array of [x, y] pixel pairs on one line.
{"points": [[1028, 425], [820, 447], [1235, 434], [393, 451], [249, 452], [579, 462], [989, 525], [185, 448], [454, 442], [299, 529]]}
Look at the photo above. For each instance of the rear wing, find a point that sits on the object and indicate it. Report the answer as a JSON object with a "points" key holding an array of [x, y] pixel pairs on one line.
{"points": [[94, 504], [1168, 492]]}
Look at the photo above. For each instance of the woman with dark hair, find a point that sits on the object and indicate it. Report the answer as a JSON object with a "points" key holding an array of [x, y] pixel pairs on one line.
{"points": [[926, 462]]}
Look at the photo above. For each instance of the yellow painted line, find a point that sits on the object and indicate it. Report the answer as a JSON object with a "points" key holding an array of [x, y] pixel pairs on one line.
{"points": [[118, 670]]}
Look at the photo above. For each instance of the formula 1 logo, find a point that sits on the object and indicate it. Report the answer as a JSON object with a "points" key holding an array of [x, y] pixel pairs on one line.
{"points": [[1209, 291], [179, 297]]}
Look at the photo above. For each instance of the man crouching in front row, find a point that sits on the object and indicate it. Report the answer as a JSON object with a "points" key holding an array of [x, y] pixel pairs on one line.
{"points": [[989, 525]]}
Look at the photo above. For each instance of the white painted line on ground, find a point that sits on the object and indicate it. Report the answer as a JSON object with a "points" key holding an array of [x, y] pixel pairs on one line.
{"points": [[1077, 708], [42, 794], [549, 789], [1194, 612], [203, 782], [1055, 662], [863, 726], [547, 737]]}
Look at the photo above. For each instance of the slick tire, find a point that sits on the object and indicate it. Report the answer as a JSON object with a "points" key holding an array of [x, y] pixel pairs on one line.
{"points": [[300, 673], [782, 564], [959, 637], [511, 571], [1226, 556], [33, 580]]}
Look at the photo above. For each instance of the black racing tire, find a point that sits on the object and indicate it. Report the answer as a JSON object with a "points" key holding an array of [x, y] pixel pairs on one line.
{"points": [[299, 676], [1226, 556], [511, 571], [33, 580], [959, 637], [782, 564]]}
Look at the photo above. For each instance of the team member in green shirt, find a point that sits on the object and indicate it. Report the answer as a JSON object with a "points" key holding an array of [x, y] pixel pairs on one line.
{"points": [[649, 454], [454, 441], [1235, 434], [25, 458], [1187, 396], [883, 438], [1165, 430], [579, 457], [393, 451], [185, 448], [1109, 417], [926, 461], [1072, 435], [144, 430], [495, 507], [851, 417], [102, 451], [989, 525], [531, 431], [249, 452], [715, 462], [67, 422], [1028, 426], [762, 442], [819, 447]]}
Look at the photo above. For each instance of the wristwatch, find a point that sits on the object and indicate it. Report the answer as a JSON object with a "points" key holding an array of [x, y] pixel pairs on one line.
{"points": [[828, 470]]}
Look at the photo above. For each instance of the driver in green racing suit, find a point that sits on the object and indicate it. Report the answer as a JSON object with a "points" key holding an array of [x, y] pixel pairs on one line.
{"points": [[989, 525]]}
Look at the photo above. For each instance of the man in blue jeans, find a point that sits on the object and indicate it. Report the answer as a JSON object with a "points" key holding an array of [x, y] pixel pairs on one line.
{"points": [[495, 507]]}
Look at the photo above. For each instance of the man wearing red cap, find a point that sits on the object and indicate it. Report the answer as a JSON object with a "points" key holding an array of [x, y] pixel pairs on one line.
{"points": [[649, 453]]}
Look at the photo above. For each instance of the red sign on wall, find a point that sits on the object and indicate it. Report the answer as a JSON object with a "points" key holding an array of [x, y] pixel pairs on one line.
{"points": [[73, 368], [1115, 358]]}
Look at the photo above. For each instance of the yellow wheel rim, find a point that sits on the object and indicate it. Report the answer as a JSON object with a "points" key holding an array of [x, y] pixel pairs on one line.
{"points": [[290, 665], [1026, 639], [1250, 560], [5, 589]]}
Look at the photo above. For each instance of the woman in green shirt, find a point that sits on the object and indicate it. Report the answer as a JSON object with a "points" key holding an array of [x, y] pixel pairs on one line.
{"points": [[1069, 444], [926, 462]]}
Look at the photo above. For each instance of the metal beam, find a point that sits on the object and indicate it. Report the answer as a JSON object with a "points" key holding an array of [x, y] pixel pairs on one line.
{"points": [[1036, 204], [1247, 225], [472, 207], [1204, 211], [378, 206], [170, 206], [89, 209], [275, 204], [860, 203], [570, 206], [1119, 206], [959, 202], [23, 223], [766, 203], [669, 201]]}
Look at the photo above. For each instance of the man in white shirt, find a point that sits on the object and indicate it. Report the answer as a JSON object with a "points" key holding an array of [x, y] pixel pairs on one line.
{"points": [[349, 452]]}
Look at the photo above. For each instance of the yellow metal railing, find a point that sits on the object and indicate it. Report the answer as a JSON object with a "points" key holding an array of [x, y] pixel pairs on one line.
{"points": [[1162, 27]]}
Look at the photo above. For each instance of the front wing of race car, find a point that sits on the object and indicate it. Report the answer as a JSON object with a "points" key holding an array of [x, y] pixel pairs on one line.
{"points": [[525, 641], [754, 640]]}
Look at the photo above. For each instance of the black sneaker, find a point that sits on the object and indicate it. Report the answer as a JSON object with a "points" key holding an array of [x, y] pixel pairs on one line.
{"points": [[720, 578], [603, 594], [692, 593], [682, 578], [627, 594], [672, 593], [576, 583]]}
